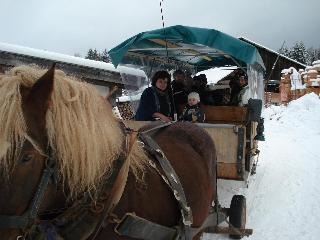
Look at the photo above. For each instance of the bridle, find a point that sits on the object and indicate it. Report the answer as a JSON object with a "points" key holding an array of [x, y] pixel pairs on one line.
{"points": [[28, 218]]}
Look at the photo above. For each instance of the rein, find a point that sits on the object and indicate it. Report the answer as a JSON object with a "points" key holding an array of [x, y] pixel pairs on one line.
{"points": [[28, 218]]}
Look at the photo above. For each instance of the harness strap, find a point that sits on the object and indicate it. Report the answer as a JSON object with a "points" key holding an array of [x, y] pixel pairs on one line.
{"points": [[91, 221], [13, 222], [31, 213], [140, 228], [118, 185], [154, 149]]}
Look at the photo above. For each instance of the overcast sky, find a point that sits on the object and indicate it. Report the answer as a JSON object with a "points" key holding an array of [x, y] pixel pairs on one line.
{"points": [[74, 26]]}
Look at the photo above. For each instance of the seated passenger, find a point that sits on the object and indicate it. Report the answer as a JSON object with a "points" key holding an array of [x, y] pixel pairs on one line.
{"points": [[180, 96], [192, 111], [155, 102], [239, 92], [200, 86], [244, 92]]}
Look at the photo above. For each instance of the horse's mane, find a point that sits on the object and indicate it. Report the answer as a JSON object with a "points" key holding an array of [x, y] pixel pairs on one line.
{"points": [[83, 133]]}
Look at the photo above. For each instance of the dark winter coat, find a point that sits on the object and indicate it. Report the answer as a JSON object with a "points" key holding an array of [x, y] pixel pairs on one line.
{"points": [[193, 114], [180, 96], [152, 101]]}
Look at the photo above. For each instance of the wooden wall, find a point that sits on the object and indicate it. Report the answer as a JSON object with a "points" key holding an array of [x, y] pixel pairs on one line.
{"points": [[269, 57]]}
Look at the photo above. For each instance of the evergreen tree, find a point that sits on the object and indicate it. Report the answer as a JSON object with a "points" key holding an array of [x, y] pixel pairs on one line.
{"points": [[105, 56], [299, 52], [284, 51], [94, 55], [313, 54], [90, 54]]}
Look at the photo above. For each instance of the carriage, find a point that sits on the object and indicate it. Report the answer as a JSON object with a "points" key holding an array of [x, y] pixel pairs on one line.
{"points": [[69, 170], [234, 129]]}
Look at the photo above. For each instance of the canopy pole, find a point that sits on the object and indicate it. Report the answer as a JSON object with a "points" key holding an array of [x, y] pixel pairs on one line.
{"points": [[164, 31], [238, 64]]}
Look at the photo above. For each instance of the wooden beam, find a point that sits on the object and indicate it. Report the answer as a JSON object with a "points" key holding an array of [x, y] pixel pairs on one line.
{"points": [[173, 45]]}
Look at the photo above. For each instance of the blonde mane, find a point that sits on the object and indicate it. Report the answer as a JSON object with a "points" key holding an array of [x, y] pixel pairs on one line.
{"points": [[83, 133]]}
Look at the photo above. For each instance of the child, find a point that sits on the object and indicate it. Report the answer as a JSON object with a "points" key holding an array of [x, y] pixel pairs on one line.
{"points": [[192, 111]]}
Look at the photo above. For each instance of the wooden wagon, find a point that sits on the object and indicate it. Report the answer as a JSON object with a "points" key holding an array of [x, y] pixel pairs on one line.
{"points": [[233, 128]]}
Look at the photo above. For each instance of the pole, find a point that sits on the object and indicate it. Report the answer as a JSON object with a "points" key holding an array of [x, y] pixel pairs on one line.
{"points": [[272, 69], [275, 62]]}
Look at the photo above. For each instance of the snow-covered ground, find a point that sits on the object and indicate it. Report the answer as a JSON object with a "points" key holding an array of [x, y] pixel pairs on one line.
{"points": [[282, 198]]}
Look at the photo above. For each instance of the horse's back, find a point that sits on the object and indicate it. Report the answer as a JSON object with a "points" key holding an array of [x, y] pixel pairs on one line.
{"points": [[191, 153]]}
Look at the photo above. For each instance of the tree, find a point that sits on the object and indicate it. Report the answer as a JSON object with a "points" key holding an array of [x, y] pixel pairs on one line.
{"points": [[284, 51], [299, 52], [93, 55], [90, 54], [105, 56], [313, 54]]}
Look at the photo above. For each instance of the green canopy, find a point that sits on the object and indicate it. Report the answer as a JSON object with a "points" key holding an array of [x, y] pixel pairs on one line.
{"points": [[200, 48]]}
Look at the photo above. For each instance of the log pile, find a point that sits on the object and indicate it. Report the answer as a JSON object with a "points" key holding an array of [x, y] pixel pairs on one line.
{"points": [[126, 110], [311, 77]]}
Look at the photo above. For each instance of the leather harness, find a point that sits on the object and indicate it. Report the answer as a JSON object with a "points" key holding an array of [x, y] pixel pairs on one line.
{"points": [[130, 225], [29, 216]]}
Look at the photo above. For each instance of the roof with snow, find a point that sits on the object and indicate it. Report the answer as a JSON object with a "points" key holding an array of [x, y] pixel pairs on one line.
{"points": [[270, 56], [97, 72]]}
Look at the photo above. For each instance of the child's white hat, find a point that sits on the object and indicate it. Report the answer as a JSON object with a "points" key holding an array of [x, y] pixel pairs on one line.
{"points": [[194, 95]]}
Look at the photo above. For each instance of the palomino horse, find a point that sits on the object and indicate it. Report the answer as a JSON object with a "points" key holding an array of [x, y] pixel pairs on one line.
{"points": [[46, 118]]}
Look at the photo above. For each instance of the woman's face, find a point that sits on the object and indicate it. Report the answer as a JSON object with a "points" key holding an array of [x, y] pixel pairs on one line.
{"points": [[162, 83]]}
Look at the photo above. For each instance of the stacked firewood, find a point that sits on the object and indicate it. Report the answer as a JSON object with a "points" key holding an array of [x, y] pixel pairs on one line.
{"points": [[285, 86], [311, 77], [126, 110]]}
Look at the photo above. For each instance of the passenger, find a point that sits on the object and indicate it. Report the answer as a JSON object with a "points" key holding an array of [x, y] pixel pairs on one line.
{"points": [[239, 90], [244, 92], [180, 96], [156, 102], [200, 86], [192, 111]]}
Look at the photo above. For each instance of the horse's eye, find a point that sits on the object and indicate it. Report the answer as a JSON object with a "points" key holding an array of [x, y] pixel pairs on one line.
{"points": [[26, 158]]}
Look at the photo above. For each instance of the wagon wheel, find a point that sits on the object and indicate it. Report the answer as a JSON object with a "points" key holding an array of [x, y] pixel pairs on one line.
{"points": [[237, 214]]}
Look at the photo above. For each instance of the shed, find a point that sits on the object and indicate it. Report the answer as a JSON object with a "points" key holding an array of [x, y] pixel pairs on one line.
{"points": [[103, 75], [269, 57]]}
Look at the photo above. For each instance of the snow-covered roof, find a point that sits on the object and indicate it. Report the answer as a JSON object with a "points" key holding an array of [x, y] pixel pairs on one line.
{"points": [[316, 62], [58, 57], [270, 50], [215, 74]]}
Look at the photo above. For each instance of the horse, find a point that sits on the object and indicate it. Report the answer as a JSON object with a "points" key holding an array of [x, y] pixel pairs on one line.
{"points": [[47, 116]]}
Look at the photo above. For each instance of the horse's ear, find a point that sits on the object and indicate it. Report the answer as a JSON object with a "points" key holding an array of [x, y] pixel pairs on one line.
{"points": [[36, 102]]}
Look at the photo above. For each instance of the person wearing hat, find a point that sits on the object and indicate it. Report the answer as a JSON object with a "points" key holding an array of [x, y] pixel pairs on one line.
{"points": [[192, 112]]}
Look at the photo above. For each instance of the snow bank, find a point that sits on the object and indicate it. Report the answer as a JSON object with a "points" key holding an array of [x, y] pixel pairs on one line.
{"points": [[283, 196]]}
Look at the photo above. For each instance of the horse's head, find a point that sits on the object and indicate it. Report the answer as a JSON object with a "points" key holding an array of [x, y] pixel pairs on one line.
{"points": [[67, 123], [23, 156]]}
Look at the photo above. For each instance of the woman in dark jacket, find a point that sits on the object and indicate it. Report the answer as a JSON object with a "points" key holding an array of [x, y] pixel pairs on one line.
{"points": [[156, 102]]}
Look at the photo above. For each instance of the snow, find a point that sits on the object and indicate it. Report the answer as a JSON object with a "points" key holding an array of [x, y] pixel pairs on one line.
{"points": [[283, 196], [6, 47], [215, 74], [316, 62], [269, 50], [295, 77]]}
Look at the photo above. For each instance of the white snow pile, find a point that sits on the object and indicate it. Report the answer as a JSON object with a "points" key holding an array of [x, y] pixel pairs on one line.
{"points": [[295, 77], [283, 197]]}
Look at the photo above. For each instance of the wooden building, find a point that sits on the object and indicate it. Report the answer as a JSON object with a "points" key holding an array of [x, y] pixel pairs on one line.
{"points": [[269, 57], [103, 75]]}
